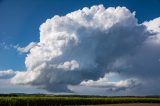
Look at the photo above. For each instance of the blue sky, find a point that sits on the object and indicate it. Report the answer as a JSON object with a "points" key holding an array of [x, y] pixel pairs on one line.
{"points": [[20, 21], [128, 58]]}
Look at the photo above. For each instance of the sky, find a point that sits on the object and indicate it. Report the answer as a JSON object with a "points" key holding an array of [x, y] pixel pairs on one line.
{"points": [[57, 46]]}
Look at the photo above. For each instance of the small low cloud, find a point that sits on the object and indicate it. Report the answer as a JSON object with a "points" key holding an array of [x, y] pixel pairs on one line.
{"points": [[108, 84]]}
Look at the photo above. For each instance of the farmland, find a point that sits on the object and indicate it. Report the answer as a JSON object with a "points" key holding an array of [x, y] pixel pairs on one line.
{"points": [[71, 100]]}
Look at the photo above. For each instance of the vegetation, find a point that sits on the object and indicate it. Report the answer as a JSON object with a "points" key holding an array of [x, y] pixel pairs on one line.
{"points": [[71, 100]]}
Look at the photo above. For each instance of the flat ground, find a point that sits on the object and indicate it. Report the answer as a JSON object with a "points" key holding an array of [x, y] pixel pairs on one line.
{"points": [[133, 104]]}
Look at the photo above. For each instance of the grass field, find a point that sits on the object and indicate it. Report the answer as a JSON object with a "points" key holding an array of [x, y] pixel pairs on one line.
{"points": [[52, 100]]}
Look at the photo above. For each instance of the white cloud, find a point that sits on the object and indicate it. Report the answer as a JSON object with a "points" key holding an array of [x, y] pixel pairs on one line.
{"points": [[69, 65], [86, 44], [108, 84], [153, 25]]}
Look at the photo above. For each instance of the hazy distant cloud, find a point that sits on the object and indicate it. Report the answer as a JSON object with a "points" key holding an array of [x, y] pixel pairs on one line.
{"points": [[7, 87], [6, 74], [82, 47]]}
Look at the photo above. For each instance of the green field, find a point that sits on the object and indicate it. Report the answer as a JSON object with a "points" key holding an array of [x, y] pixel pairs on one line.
{"points": [[55, 100]]}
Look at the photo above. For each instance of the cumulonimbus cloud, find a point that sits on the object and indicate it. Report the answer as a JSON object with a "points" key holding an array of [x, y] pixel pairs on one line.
{"points": [[89, 43]]}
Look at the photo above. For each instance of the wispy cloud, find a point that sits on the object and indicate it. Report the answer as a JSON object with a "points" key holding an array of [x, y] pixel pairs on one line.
{"points": [[19, 49], [27, 48]]}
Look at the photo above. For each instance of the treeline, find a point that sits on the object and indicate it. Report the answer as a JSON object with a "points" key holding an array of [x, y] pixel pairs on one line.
{"points": [[60, 101], [85, 96]]}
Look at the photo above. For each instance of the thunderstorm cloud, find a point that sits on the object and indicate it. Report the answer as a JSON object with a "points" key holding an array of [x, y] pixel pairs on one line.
{"points": [[83, 47]]}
